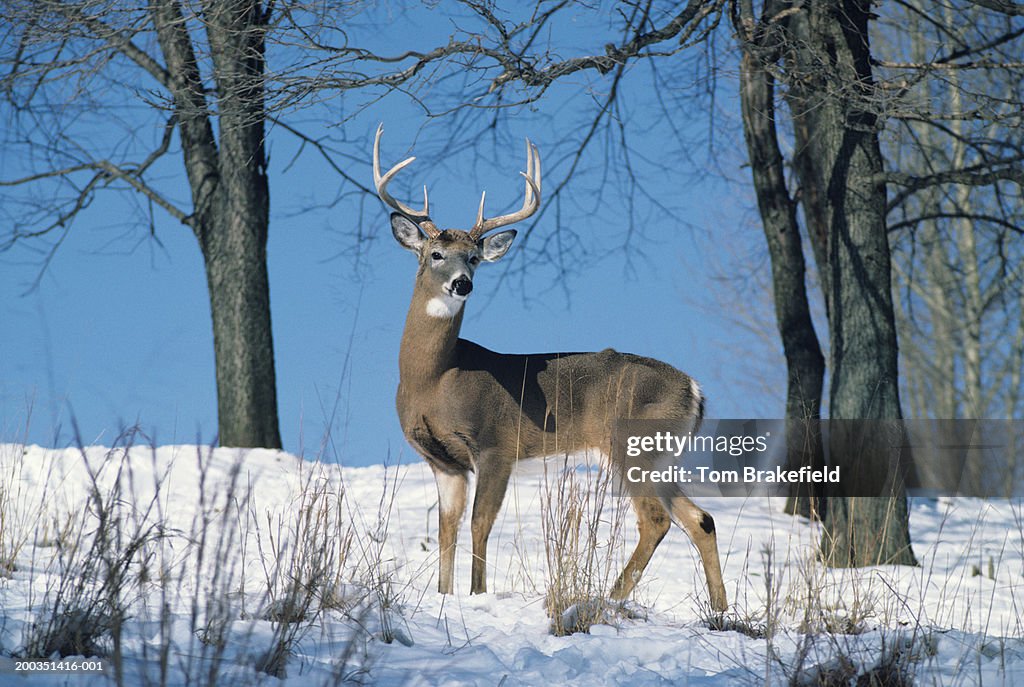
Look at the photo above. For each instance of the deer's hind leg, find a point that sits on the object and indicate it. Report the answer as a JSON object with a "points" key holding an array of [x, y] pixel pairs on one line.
{"points": [[652, 521], [700, 527]]}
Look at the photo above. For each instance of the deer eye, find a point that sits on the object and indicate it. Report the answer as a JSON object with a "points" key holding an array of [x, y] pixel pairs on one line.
{"points": [[474, 260], [436, 256]]}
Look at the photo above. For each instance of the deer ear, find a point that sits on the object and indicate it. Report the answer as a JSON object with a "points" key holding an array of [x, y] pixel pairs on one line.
{"points": [[496, 245], [406, 232]]}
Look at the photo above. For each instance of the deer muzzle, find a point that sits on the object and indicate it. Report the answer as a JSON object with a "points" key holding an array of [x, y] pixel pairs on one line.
{"points": [[462, 286]]}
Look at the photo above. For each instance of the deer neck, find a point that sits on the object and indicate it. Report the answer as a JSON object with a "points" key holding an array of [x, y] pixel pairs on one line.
{"points": [[429, 340]]}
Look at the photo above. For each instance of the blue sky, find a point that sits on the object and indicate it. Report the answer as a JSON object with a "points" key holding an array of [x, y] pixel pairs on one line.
{"points": [[118, 331]]}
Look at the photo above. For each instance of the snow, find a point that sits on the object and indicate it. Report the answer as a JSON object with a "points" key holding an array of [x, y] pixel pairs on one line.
{"points": [[221, 536]]}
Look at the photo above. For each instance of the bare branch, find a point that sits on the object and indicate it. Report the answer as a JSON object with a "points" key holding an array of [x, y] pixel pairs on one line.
{"points": [[1002, 6], [119, 41], [66, 171], [980, 175], [974, 217], [515, 62], [324, 152], [692, 14], [981, 64], [133, 180]]}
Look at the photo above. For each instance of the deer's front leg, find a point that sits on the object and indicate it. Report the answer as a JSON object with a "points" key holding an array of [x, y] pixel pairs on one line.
{"points": [[491, 481], [451, 502]]}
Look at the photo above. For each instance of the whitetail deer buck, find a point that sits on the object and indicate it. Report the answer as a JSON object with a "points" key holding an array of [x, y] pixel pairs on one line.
{"points": [[467, 409]]}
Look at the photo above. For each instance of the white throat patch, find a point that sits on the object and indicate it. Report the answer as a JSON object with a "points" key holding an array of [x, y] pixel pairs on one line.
{"points": [[444, 307]]}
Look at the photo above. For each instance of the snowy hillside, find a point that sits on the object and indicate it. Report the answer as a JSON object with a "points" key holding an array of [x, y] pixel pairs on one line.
{"points": [[185, 565]]}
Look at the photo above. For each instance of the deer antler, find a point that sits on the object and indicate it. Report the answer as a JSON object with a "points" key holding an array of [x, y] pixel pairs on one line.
{"points": [[530, 203], [420, 217]]}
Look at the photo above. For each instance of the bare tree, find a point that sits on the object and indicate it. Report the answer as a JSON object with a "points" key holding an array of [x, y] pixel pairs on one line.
{"points": [[129, 97], [822, 53], [956, 219], [65, 66], [805, 365]]}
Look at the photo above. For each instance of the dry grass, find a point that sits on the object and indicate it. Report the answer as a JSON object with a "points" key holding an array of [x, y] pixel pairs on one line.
{"points": [[101, 557], [582, 530], [251, 582], [241, 577], [16, 514], [304, 558]]}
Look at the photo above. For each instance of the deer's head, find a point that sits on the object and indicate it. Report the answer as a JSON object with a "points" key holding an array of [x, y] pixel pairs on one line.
{"points": [[448, 258]]}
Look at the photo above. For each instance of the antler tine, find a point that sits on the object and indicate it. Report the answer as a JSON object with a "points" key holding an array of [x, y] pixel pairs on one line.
{"points": [[531, 199], [420, 217]]}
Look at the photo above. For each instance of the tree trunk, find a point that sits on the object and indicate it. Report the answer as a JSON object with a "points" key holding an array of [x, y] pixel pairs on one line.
{"points": [[860, 529], [236, 274], [805, 365], [231, 200], [805, 98]]}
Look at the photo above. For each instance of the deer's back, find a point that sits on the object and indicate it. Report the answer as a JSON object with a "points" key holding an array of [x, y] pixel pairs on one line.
{"points": [[542, 404]]}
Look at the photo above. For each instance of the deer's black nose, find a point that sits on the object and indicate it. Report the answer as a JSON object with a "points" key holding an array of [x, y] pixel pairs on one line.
{"points": [[462, 286]]}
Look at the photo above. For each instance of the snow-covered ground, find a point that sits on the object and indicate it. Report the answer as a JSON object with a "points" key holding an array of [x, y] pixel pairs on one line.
{"points": [[208, 559]]}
